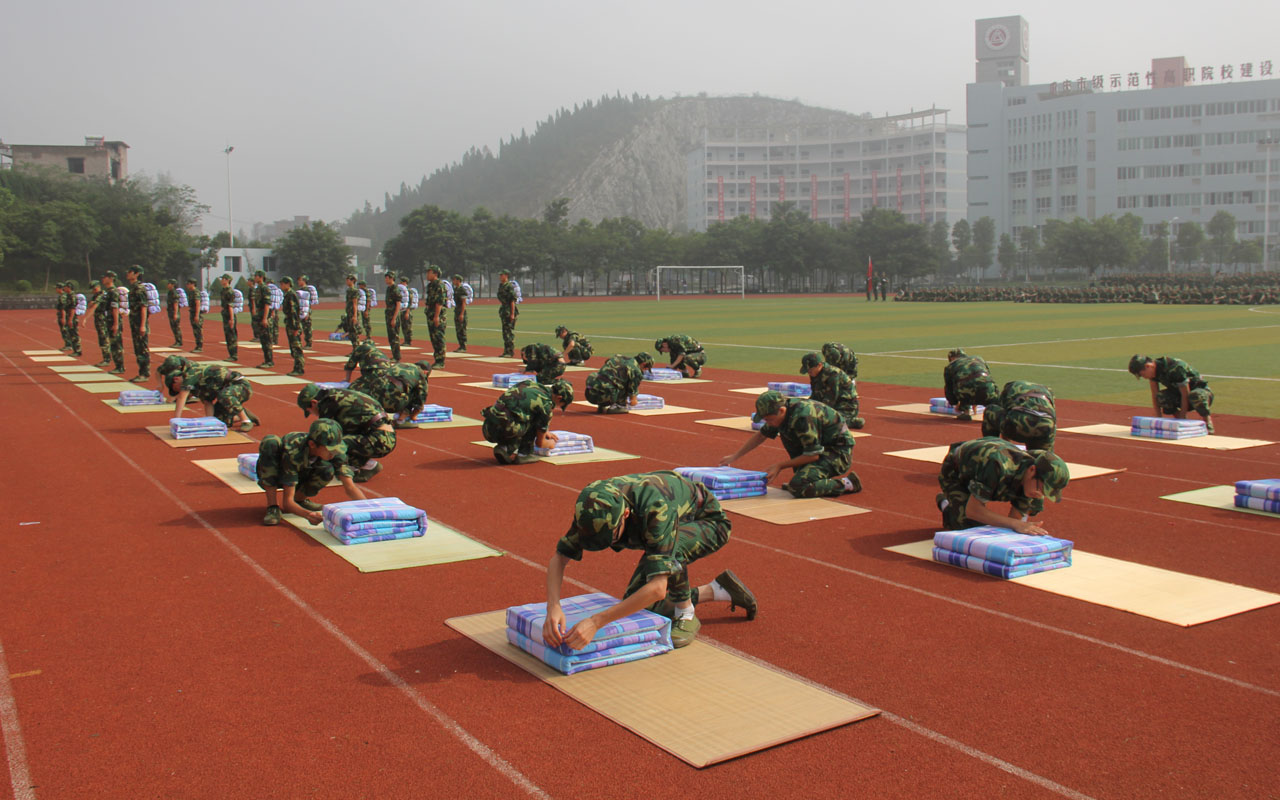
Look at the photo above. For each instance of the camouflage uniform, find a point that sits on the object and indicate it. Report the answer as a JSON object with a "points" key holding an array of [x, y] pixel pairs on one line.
{"points": [[508, 311], [262, 327], [115, 329], [399, 388], [836, 389], [306, 321], [273, 319], [841, 357], [361, 418], [392, 305], [73, 323], [175, 316], [434, 305], [226, 389], [989, 469], [543, 361], [813, 428], [406, 314], [1023, 413], [60, 306], [581, 350], [293, 329], [967, 383], [673, 522], [460, 317], [287, 461], [615, 383], [196, 317], [515, 420], [350, 316], [369, 296], [1172, 373], [138, 329], [228, 300], [366, 356], [694, 357], [101, 322]]}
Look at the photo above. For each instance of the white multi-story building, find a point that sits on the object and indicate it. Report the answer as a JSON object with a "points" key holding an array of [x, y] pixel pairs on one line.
{"points": [[914, 163], [1174, 144]]}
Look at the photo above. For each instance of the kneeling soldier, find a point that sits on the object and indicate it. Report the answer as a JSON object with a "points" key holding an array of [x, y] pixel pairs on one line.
{"points": [[816, 439], [989, 470], [614, 387], [1023, 413], [518, 422], [298, 465]]}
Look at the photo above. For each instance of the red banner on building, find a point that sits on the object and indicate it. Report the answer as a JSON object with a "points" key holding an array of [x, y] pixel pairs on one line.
{"points": [[875, 188], [720, 197], [899, 190], [813, 197], [782, 188], [753, 196]]}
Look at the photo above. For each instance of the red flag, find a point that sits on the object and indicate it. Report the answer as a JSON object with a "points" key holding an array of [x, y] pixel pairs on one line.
{"points": [[868, 268]]}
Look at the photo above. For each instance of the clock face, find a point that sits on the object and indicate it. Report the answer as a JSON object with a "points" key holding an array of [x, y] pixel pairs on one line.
{"points": [[997, 37]]}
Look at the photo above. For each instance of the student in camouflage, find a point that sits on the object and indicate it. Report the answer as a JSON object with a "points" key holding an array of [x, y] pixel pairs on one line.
{"points": [[613, 388], [967, 382], [304, 285], [519, 420], [989, 470], [686, 354], [434, 303], [366, 356], [98, 309], [817, 442], [406, 310], [833, 387], [292, 311], [173, 310], [195, 314], [673, 522], [543, 361], [293, 468], [842, 358], [227, 299], [577, 349], [262, 317], [139, 325], [73, 320], [400, 388], [459, 313], [223, 392], [1024, 413], [366, 428], [507, 313], [273, 315], [351, 314], [1183, 388], [114, 322], [391, 308], [369, 295]]}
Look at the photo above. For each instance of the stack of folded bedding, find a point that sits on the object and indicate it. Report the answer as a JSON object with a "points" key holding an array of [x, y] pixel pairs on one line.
{"points": [[567, 443], [140, 397], [338, 336], [197, 427], [631, 638], [434, 413], [647, 402], [939, 405], [376, 520], [1000, 551], [663, 374], [1260, 495], [508, 379], [1167, 428], [791, 389], [333, 384], [247, 463], [726, 483]]}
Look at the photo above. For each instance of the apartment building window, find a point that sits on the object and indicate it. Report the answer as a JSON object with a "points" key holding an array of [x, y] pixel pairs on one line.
{"points": [[1128, 201], [1018, 205], [1180, 112], [1157, 171], [1067, 204], [1044, 205], [1128, 114], [269, 263], [1043, 177], [1220, 168], [1187, 170], [231, 263], [1157, 112], [1067, 175], [1129, 143], [1126, 173], [1017, 180], [75, 166], [1218, 139]]}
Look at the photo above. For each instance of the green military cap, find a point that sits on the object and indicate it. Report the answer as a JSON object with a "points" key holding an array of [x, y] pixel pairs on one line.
{"points": [[172, 364], [644, 360], [1052, 472], [72, 285], [956, 353], [1136, 363], [328, 434], [95, 284], [58, 284], [193, 281], [171, 281], [304, 278], [307, 396], [351, 276], [658, 343], [111, 273], [561, 330], [226, 278], [258, 273], [361, 282], [135, 269], [424, 365], [366, 349], [768, 403], [287, 279], [597, 514], [391, 274], [563, 388], [810, 361], [404, 278], [456, 277]]}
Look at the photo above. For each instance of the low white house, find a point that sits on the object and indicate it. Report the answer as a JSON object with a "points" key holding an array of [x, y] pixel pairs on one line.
{"points": [[240, 262]]}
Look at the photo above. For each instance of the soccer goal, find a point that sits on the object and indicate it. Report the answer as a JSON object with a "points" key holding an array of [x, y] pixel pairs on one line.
{"points": [[680, 280]]}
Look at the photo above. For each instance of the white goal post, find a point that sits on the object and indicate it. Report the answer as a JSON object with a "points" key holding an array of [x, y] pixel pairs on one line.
{"points": [[742, 277]]}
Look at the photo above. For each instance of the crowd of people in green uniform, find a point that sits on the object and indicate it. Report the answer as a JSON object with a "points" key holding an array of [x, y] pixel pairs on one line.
{"points": [[1194, 289]]}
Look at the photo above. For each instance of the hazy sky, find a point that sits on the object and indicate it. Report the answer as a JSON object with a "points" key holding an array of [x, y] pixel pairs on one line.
{"points": [[331, 104]]}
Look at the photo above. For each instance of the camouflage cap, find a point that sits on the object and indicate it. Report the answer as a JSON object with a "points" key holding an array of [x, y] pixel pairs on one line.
{"points": [[366, 349], [193, 281], [424, 365], [226, 278], [59, 285], [564, 389], [644, 360], [135, 269], [304, 278], [258, 273], [287, 279], [561, 330], [351, 276], [111, 273], [328, 434], [456, 277], [433, 268], [95, 284], [362, 282], [658, 343], [1052, 472], [171, 281], [768, 403], [1136, 363], [956, 353], [72, 285], [307, 396], [597, 515], [390, 274], [172, 364], [810, 361]]}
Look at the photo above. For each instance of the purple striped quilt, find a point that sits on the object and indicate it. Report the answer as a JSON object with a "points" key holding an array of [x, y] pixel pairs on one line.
{"points": [[247, 463], [527, 620], [377, 537], [1165, 423], [340, 517], [196, 427], [791, 388], [939, 405], [1258, 503], [140, 397], [579, 663], [434, 413], [508, 379], [975, 564], [1002, 545], [663, 374], [1267, 489], [333, 384], [646, 402], [1156, 433], [721, 476]]}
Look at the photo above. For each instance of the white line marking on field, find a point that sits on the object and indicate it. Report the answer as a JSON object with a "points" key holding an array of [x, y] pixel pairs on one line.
{"points": [[19, 772]]}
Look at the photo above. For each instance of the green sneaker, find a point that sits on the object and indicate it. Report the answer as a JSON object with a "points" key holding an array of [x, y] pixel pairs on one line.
{"points": [[504, 455], [527, 458], [273, 516], [739, 594], [117, 371], [364, 475], [684, 631], [855, 483], [310, 505], [1208, 426]]}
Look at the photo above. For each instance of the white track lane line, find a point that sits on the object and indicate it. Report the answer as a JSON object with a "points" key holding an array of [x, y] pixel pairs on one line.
{"points": [[14, 746]]}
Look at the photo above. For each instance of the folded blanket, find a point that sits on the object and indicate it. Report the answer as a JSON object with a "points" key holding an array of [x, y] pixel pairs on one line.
{"points": [[337, 336], [140, 397], [1155, 433], [333, 384], [791, 389], [1002, 545], [1267, 489], [434, 413], [247, 463], [647, 402], [568, 442], [975, 564], [196, 427], [527, 620], [508, 379], [382, 526], [1166, 423], [939, 405], [721, 476], [741, 491], [377, 537], [1258, 503], [663, 374], [353, 516], [578, 663]]}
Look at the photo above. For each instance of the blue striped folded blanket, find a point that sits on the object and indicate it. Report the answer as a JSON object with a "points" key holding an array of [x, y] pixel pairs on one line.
{"points": [[337, 336], [648, 402], [975, 564], [1258, 503], [791, 388], [333, 384], [642, 626], [373, 520], [1155, 433], [939, 405], [579, 663], [1166, 424], [726, 477], [568, 442], [196, 427], [367, 538], [1003, 546], [506, 380], [434, 413], [1267, 489], [663, 374], [140, 397], [247, 463]]}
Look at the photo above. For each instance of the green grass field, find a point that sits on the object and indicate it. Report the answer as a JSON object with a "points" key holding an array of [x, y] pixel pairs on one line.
{"points": [[1081, 351]]}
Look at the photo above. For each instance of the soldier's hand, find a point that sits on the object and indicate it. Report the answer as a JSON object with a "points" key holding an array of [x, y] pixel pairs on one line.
{"points": [[726, 461], [1029, 528], [315, 517], [549, 439], [553, 627], [772, 472], [582, 634]]}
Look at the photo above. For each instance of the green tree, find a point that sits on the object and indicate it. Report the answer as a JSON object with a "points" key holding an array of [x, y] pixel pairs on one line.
{"points": [[1189, 242], [428, 235], [1029, 249], [940, 244], [1222, 237], [895, 246], [984, 242], [961, 240], [316, 249], [1007, 256]]}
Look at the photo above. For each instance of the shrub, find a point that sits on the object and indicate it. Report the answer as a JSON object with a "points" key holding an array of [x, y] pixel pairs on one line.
{"points": [[23, 285]]}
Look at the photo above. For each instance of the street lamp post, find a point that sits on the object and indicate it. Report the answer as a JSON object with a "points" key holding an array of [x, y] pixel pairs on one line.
{"points": [[1168, 241], [1267, 145], [231, 225]]}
